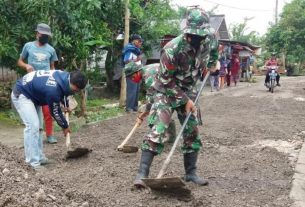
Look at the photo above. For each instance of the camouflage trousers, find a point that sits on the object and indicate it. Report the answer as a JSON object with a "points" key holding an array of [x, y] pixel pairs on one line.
{"points": [[160, 122]]}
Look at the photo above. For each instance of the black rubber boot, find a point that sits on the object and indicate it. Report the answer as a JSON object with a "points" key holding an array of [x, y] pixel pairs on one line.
{"points": [[190, 160], [143, 172]]}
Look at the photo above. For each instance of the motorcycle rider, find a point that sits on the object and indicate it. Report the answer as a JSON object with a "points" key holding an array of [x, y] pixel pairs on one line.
{"points": [[272, 62]]}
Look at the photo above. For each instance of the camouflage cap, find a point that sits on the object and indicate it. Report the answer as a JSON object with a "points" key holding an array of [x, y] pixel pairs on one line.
{"points": [[197, 23], [131, 68]]}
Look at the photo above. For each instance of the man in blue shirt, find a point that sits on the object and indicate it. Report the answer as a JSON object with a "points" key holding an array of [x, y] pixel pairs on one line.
{"points": [[40, 88], [39, 55], [132, 53]]}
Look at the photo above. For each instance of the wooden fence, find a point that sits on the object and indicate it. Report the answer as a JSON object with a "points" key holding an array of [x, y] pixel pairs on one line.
{"points": [[7, 79], [7, 75]]}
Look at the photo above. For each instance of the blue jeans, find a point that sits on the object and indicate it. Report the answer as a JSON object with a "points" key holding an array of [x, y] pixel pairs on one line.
{"points": [[31, 116], [214, 81], [132, 95]]}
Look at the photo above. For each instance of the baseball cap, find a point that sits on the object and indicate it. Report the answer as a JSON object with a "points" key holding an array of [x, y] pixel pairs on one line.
{"points": [[44, 29], [135, 37]]}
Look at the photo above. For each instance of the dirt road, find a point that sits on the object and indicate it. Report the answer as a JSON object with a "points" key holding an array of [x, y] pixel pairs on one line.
{"points": [[251, 139]]}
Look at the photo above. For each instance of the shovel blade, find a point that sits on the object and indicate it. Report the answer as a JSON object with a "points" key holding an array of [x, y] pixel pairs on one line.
{"points": [[128, 149], [164, 183], [77, 152]]}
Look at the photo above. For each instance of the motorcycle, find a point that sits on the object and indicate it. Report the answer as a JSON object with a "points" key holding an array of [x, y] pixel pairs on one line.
{"points": [[272, 70]]}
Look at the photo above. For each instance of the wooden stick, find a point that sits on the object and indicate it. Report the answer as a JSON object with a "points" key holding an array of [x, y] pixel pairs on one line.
{"points": [[128, 136]]}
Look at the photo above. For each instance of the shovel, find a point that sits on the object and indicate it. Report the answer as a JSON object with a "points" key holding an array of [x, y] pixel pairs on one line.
{"points": [[125, 148], [170, 183], [77, 152]]}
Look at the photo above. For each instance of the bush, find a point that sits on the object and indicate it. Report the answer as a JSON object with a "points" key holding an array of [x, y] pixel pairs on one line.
{"points": [[95, 76]]}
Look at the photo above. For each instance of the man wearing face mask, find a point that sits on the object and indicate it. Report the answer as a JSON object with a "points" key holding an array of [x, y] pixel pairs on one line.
{"points": [[40, 88], [182, 62], [39, 55]]}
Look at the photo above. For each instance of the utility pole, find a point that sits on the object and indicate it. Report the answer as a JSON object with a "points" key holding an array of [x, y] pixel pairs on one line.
{"points": [[276, 10], [126, 37]]}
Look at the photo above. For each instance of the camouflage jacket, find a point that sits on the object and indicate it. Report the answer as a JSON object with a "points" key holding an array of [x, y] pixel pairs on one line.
{"points": [[149, 76], [181, 67]]}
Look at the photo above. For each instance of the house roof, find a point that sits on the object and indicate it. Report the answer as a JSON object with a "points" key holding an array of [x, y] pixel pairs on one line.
{"points": [[244, 44], [218, 23]]}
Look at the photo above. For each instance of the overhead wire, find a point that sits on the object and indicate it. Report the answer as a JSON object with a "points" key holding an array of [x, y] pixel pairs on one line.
{"points": [[238, 8]]}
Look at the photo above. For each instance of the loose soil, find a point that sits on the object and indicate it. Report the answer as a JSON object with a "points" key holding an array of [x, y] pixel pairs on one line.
{"points": [[251, 139]]}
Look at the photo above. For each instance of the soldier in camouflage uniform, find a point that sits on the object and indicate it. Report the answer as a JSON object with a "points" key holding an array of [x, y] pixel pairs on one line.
{"points": [[181, 65], [148, 73]]}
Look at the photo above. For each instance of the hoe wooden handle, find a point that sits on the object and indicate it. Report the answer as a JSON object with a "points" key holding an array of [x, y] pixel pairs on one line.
{"points": [[68, 141], [128, 136]]}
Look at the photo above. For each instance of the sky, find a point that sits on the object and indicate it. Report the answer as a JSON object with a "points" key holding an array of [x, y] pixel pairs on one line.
{"points": [[262, 11]]}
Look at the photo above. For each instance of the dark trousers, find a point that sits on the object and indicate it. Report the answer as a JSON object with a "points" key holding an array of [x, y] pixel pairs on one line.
{"points": [[132, 95], [267, 79]]}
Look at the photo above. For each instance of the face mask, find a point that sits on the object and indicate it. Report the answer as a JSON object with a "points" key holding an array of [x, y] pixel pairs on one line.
{"points": [[73, 90], [136, 78], [195, 41], [43, 39]]}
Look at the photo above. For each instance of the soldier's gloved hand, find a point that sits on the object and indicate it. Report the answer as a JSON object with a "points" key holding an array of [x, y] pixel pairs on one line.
{"points": [[190, 106]]}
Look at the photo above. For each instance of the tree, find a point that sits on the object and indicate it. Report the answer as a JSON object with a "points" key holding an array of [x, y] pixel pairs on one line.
{"points": [[126, 37], [239, 33], [288, 35], [79, 27]]}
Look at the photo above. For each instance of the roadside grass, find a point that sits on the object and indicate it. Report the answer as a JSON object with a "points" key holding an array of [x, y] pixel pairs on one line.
{"points": [[96, 112], [10, 117], [103, 114]]}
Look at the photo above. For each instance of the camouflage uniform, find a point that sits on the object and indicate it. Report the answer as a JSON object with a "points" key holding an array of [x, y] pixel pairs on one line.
{"points": [[170, 84], [149, 75], [174, 83]]}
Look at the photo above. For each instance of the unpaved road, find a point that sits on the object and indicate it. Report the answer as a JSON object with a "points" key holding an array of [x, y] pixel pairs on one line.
{"points": [[251, 139]]}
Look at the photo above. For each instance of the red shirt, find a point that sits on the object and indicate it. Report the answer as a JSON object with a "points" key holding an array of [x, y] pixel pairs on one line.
{"points": [[235, 65], [271, 62]]}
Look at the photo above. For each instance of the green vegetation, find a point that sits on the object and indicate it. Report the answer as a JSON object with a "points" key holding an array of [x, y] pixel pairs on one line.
{"points": [[103, 114], [92, 117], [9, 117], [239, 33], [97, 112], [288, 36], [81, 28], [98, 102]]}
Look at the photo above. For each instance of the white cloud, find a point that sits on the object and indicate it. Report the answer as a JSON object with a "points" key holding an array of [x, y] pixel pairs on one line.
{"points": [[262, 11]]}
